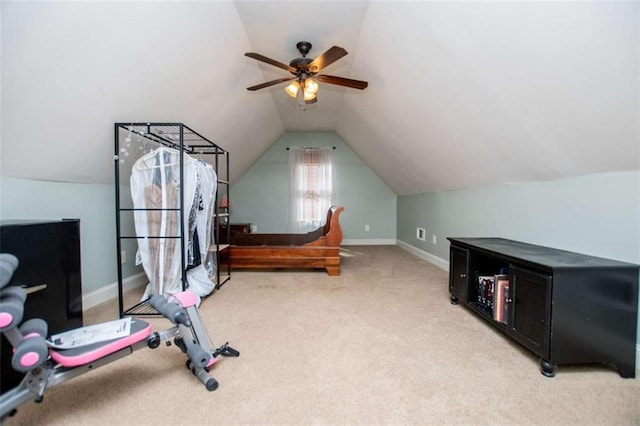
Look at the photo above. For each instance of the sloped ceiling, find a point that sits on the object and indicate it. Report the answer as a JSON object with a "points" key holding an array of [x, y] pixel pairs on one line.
{"points": [[461, 94]]}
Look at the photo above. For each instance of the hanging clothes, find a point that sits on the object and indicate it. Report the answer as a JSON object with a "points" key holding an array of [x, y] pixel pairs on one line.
{"points": [[155, 190], [200, 277], [208, 183]]}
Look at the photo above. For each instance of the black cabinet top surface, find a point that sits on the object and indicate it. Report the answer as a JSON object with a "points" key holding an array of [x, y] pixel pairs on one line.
{"points": [[544, 256], [28, 222]]}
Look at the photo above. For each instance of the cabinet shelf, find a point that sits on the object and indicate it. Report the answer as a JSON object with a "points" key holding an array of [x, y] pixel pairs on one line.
{"points": [[482, 311], [565, 307]]}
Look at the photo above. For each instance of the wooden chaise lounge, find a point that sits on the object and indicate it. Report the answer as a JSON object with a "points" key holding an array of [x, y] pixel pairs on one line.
{"points": [[316, 249]]}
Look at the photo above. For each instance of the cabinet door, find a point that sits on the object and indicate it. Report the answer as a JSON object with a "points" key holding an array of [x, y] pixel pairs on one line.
{"points": [[529, 309], [458, 273]]}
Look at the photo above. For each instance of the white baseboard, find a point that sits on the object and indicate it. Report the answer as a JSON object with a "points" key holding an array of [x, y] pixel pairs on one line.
{"points": [[637, 359], [439, 262], [369, 242], [110, 291]]}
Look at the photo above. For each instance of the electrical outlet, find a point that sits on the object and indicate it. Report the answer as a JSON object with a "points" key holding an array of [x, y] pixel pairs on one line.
{"points": [[123, 257], [433, 239], [367, 228], [421, 234]]}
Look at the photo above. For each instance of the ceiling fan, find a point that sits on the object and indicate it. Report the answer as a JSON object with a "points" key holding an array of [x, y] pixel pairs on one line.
{"points": [[305, 73]]}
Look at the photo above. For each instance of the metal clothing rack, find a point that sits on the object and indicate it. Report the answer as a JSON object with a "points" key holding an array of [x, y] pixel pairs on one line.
{"points": [[148, 136]]}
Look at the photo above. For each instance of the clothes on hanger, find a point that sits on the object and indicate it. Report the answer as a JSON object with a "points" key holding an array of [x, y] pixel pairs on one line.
{"points": [[155, 191], [200, 277]]}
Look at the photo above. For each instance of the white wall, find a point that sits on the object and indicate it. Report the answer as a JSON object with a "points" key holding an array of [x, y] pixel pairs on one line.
{"points": [[261, 196], [595, 214], [70, 69], [94, 205]]}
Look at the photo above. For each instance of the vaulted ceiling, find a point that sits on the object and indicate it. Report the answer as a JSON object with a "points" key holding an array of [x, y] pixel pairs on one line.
{"points": [[461, 94]]}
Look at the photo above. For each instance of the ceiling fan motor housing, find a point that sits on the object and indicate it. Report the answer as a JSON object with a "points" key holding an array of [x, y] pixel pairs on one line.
{"points": [[301, 64], [303, 47]]}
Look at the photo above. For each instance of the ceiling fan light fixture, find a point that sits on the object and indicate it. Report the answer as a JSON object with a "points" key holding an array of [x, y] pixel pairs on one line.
{"points": [[308, 88], [311, 86], [308, 96], [292, 88]]}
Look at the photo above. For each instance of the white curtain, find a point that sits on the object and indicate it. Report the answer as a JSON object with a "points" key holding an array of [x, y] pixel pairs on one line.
{"points": [[310, 187]]}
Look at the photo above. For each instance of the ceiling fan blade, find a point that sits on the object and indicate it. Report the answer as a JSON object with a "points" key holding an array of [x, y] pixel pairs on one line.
{"points": [[341, 81], [270, 61], [269, 83], [326, 59]]}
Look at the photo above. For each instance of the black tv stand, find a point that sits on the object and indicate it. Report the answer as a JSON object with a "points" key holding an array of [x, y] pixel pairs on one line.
{"points": [[566, 307]]}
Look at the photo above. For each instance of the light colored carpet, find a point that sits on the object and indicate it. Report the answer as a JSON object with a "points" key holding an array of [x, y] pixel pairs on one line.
{"points": [[380, 344]]}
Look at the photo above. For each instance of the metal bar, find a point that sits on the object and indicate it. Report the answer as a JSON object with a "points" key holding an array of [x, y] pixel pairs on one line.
{"points": [[216, 231], [147, 123], [116, 159], [308, 147], [182, 230], [148, 210], [226, 155], [155, 237]]}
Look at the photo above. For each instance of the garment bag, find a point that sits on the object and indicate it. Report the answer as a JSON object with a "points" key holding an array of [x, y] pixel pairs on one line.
{"points": [[155, 188], [200, 277]]}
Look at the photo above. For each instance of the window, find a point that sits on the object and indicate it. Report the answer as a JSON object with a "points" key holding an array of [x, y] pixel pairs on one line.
{"points": [[311, 187]]}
